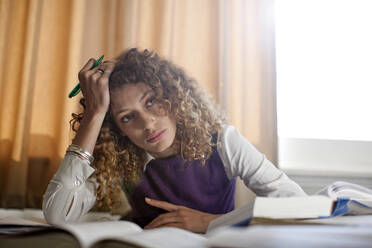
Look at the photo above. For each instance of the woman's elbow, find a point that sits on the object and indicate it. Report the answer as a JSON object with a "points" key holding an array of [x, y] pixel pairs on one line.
{"points": [[52, 214]]}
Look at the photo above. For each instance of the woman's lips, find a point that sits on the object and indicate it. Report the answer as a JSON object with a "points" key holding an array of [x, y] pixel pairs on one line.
{"points": [[156, 137]]}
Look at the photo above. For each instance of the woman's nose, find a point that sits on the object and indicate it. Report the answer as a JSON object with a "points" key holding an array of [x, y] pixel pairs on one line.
{"points": [[149, 121]]}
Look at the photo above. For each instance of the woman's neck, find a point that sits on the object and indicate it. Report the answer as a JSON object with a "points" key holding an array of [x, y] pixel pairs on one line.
{"points": [[174, 149]]}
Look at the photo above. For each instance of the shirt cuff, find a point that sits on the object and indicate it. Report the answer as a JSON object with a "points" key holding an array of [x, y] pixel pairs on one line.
{"points": [[73, 171]]}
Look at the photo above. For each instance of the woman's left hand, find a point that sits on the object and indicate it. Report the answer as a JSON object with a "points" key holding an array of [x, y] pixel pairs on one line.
{"points": [[180, 216]]}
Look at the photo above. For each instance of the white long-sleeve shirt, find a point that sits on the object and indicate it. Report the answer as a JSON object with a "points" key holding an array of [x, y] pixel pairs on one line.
{"points": [[71, 192]]}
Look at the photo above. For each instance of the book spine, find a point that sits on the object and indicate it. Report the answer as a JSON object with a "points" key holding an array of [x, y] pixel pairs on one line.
{"points": [[340, 207]]}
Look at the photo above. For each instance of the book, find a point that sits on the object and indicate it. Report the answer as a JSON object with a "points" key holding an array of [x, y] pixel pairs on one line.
{"points": [[357, 199], [337, 199], [264, 209], [91, 234]]}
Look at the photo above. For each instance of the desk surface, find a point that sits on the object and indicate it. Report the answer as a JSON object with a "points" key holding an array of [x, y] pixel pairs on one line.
{"points": [[278, 236]]}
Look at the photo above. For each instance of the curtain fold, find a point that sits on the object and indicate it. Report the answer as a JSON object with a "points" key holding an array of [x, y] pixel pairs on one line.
{"points": [[19, 71], [226, 45], [247, 74], [252, 73]]}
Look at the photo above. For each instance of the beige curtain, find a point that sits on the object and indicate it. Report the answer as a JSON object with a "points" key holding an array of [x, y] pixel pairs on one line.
{"points": [[226, 45], [247, 74]]}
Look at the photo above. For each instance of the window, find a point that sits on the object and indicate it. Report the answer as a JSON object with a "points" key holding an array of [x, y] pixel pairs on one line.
{"points": [[324, 85]]}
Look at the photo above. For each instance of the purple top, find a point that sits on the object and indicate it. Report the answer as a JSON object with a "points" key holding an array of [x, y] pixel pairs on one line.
{"points": [[190, 184]]}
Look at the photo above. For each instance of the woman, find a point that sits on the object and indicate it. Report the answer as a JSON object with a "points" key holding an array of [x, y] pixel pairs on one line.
{"points": [[155, 133]]}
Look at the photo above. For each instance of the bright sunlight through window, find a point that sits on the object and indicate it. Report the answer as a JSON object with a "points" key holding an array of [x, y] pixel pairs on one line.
{"points": [[324, 69]]}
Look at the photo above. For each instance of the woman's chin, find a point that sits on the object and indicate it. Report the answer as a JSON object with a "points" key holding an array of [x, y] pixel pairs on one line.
{"points": [[162, 151]]}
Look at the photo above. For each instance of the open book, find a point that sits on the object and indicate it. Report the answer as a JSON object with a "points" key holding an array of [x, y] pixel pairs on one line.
{"points": [[92, 234], [339, 198], [358, 199]]}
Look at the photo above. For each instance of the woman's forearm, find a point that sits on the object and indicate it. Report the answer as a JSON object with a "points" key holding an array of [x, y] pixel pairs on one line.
{"points": [[88, 131]]}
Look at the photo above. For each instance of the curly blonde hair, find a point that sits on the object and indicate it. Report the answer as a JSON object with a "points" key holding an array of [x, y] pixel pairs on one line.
{"points": [[118, 161]]}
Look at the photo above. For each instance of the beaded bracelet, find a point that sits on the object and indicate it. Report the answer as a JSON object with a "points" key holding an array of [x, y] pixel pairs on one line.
{"points": [[80, 152]]}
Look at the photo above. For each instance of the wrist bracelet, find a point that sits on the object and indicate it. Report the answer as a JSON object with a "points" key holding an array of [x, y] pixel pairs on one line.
{"points": [[80, 152]]}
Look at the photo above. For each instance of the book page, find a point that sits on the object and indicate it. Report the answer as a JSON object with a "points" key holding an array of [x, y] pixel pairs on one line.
{"points": [[165, 237], [293, 207], [245, 212], [91, 232], [352, 193], [359, 207], [346, 190], [356, 220], [13, 225], [18, 221]]}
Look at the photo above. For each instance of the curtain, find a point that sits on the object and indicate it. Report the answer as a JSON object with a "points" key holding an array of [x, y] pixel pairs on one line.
{"points": [[247, 87], [226, 45]]}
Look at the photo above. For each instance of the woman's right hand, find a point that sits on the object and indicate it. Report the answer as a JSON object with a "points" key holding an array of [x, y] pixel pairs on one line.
{"points": [[94, 86]]}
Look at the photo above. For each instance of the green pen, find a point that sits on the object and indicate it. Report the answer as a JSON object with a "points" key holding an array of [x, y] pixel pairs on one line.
{"points": [[77, 88]]}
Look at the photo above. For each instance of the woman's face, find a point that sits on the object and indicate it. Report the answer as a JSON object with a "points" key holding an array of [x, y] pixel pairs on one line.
{"points": [[144, 120]]}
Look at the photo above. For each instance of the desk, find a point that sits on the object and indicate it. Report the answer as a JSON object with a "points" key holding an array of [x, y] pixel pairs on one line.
{"points": [[293, 236]]}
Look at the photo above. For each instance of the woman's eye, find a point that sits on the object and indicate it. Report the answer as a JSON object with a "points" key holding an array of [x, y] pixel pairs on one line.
{"points": [[126, 118], [150, 102]]}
